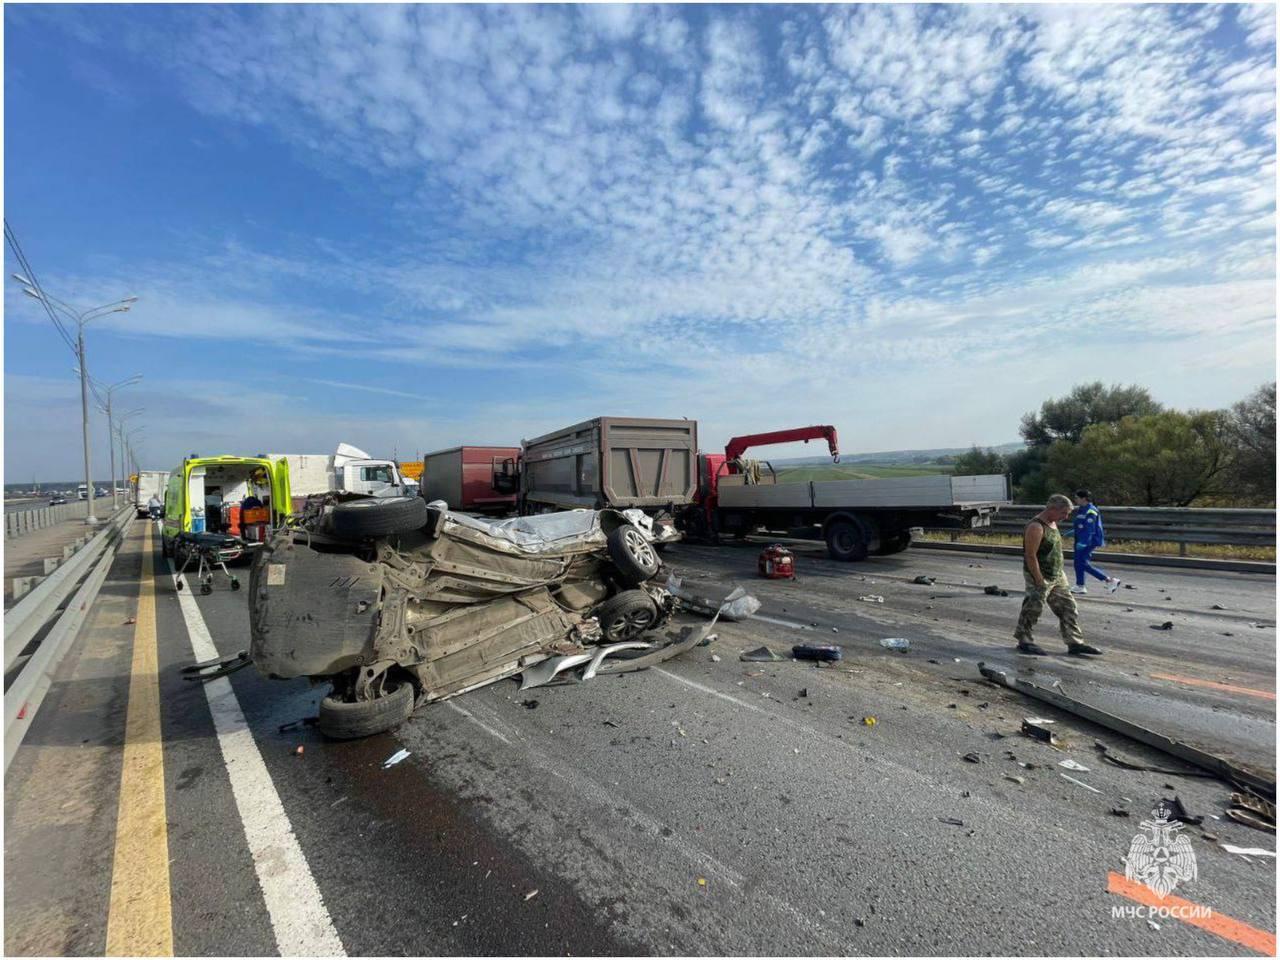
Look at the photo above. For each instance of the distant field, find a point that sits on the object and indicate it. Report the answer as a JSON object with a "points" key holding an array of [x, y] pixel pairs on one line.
{"points": [[859, 471]]}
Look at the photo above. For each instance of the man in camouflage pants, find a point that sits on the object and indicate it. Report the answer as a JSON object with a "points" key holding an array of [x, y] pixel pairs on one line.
{"points": [[1046, 582]]}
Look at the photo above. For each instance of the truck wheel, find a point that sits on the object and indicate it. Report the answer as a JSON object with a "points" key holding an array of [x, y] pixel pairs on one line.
{"points": [[893, 545], [632, 554], [626, 615], [845, 541], [378, 517], [343, 720]]}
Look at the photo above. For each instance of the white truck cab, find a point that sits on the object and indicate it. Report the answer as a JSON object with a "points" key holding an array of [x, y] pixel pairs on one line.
{"points": [[348, 468]]}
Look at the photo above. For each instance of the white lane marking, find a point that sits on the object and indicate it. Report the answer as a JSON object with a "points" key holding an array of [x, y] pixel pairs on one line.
{"points": [[299, 919], [781, 623], [584, 785], [812, 731], [477, 721]]}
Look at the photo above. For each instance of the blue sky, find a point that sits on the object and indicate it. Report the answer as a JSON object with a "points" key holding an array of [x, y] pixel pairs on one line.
{"points": [[408, 228]]}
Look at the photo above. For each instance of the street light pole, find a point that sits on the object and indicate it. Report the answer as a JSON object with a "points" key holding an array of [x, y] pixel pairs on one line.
{"points": [[106, 408], [31, 289]]}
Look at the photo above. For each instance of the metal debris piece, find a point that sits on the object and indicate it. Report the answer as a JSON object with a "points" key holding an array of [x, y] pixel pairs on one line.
{"points": [[1248, 851], [1225, 769], [1079, 783], [1012, 778], [1035, 728], [1249, 820], [872, 598], [761, 655], [973, 758], [1119, 812], [995, 591], [895, 643], [542, 672], [531, 894], [924, 581], [1167, 625], [951, 821], [1181, 813], [1128, 763], [1072, 765]]}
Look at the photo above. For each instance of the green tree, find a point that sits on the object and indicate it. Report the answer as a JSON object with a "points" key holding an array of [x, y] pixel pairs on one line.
{"points": [[1166, 459], [1026, 471], [1066, 418], [1251, 426], [977, 461]]}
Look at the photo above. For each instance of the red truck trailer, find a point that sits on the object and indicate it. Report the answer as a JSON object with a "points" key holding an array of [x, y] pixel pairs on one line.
{"points": [[472, 479]]}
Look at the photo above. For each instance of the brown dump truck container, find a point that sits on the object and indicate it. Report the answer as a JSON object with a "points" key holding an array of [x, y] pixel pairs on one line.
{"points": [[617, 462]]}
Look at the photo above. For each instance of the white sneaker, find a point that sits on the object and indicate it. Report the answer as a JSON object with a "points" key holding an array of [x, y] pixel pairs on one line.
{"points": [[1078, 590], [1113, 584]]}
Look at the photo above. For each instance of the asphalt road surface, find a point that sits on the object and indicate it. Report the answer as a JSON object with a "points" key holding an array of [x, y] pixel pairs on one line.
{"points": [[709, 806]]}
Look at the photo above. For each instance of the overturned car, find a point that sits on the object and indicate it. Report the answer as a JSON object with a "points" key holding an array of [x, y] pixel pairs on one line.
{"points": [[398, 603]]}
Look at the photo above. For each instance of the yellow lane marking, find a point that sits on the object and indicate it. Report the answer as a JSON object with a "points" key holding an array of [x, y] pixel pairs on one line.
{"points": [[139, 921]]}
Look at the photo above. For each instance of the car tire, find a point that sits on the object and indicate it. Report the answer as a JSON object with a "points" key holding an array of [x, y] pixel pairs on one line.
{"points": [[626, 615], [378, 517], [633, 555], [343, 720], [846, 541]]}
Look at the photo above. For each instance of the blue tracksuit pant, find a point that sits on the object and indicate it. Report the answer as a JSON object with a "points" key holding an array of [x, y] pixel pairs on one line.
{"points": [[1085, 565]]}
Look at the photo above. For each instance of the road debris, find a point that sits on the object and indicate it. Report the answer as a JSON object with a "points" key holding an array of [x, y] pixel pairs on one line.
{"points": [[1072, 765], [1014, 778], [1167, 625], [1127, 763], [702, 881], [896, 643], [1079, 783], [869, 721], [395, 758], [1181, 813], [995, 591], [610, 723], [715, 658], [299, 751], [1217, 606], [973, 758], [531, 894], [1036, 728], [1261, 815], [761, 655], [925, 581], [1247, 851], [738, 605], [1231, 772], [1119, 812], [872, 598], [529, 704], [821, 652], [951, 821]]}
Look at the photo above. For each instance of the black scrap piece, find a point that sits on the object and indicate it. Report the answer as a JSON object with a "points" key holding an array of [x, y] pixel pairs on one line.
{"points": [[822, 652], [1180, 812], [995, 591]]}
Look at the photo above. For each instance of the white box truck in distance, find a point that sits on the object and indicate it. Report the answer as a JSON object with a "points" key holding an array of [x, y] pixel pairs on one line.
{"points": [[151, 483], [349, 469]]}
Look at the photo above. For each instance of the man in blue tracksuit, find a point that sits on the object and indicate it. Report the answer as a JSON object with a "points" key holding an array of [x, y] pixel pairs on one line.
{"points": [[1088, 538]]}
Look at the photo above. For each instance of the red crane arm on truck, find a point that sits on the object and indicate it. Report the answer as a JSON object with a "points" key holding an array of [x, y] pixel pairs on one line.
{"points": [[739, 445]]}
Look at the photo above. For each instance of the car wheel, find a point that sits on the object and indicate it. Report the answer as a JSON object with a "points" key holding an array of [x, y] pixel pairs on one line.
{"points": [[632, 554], [845, 541], [378, 517], [344, 720], [626, 615]]}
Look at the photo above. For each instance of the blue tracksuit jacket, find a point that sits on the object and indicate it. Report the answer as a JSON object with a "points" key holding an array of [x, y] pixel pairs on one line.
{"points": [[1088, 528]]}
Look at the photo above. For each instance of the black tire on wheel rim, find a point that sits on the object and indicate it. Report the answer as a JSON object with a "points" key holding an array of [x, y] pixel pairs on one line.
{"points": [[845, 541], [626, 615], [632, 554], [344, 720], [378, 517]]}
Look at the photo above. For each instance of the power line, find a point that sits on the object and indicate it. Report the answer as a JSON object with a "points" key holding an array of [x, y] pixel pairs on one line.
{"points": [[29, 273]]}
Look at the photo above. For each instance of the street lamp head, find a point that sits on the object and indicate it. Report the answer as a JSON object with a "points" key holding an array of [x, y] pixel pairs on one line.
{"points": [[31, 293], [21, 279]]}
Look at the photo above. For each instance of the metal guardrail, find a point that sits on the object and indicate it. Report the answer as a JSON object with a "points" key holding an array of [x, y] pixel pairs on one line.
{"points": [[1180, 525], [20, 522], [63, 598]]}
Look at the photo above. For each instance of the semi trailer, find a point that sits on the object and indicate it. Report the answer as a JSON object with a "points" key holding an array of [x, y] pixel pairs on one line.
{"points": [[472, 479]]}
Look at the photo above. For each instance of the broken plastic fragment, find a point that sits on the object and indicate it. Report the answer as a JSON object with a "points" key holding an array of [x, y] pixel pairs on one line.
{"points": [[896, 643], [1248, 851], [1072, 765], [395, 758], [760, 655]]}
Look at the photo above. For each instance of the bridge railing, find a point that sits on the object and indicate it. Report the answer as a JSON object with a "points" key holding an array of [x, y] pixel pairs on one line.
{"points": [[19, 522], [1180, 525]]}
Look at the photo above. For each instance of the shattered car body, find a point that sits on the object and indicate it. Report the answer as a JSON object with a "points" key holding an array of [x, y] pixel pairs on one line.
{"points": [[445, 604]]}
